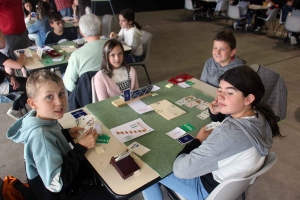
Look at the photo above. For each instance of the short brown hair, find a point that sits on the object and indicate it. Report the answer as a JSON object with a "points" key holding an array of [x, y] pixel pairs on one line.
{"points": [[54, 17], [38, 78], [228, 37]]}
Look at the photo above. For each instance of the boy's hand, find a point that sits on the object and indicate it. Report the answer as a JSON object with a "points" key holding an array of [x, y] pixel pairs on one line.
{"points": [[203, 134], [14, 83], [214, 107], [73, 132], [88, 139], [113, 35]]}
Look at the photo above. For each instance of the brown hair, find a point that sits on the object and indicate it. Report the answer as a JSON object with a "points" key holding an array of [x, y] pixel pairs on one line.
{"points": [[227, 37]]}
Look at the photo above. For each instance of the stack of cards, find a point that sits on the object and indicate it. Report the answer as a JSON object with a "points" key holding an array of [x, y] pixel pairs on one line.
{"points": [[78, 113], [185, 100], [180, 135], [85, 122], [212, 125], [204, 115]]}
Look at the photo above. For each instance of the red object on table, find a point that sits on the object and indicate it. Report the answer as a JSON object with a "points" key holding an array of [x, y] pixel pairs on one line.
{"points": [[180, 78], [52, 53]]}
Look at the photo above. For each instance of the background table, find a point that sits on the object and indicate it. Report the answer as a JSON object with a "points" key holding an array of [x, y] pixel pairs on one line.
{"points": [[257, 7]]}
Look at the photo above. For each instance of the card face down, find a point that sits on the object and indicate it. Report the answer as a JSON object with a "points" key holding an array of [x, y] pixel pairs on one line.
{"points": [[185, 139]]}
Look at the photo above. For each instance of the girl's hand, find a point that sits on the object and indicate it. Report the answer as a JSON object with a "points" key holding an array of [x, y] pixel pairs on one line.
{"points": [[113, 35], [14, 83], [214, 107], [203, 134], [29, 16], [88, 139], [73, 132]]}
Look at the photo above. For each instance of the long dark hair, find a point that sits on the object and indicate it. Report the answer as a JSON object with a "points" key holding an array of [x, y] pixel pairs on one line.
{"points": [[248, 82], [24, 9], [44, 9], [82, 4], [108, 47], [129, 15]]}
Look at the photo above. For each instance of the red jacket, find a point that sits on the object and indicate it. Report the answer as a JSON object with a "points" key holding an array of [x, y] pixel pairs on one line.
{"points": [[12, 17]]}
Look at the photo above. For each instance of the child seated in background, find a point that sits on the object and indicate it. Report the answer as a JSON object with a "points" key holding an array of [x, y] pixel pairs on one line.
{"points": [[243, 7], [54, 170], [30, 19], [224, 50], [115, 75], [59, 34], [286, 9], [130, 35], [41, 25], [10, 84], [260, 22]]}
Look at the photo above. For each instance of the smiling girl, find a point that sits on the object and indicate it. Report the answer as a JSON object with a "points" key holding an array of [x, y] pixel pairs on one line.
{"points": [[115, 75], [235, 149]]}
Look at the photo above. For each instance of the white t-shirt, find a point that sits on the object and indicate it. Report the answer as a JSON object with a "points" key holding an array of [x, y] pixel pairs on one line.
{"points": [[120, 75], [133, 38]]}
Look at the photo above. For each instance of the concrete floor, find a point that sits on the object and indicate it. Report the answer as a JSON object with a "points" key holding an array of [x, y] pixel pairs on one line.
{"points": [[180, 45]]}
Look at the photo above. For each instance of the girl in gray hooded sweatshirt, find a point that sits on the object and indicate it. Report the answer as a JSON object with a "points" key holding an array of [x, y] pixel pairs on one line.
{"points": [[235, 149]]}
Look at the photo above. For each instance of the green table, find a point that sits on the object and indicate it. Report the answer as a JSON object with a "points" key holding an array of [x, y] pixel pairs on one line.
{"points": [[163, 148]]}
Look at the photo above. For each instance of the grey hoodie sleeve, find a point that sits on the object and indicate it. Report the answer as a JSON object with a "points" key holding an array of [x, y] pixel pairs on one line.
{"points": [[204, 74]]}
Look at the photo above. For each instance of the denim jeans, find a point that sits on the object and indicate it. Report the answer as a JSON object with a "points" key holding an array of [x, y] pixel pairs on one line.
{"points": [[190, 189], [66, 12], [133, 59]]}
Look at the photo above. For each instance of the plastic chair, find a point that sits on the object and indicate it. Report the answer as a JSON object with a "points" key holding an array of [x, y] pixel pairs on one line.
{"points": [[222, 6], [146, 42], [271, 19], [234, 188], [280, 22], [94, 94], [106, 25], [291, 24], [188, 5], [233, 13]]}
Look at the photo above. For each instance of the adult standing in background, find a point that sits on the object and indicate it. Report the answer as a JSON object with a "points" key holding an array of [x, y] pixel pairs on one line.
{"points": [[13, 26], [64, 7]]}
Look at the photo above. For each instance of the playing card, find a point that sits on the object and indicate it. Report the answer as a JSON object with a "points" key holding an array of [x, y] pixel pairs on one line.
{"points": [[187, 127], [138, 148], [104, 138], [203, 105], [185, 139], [193, 103], [78, 113], [212, 125], [180, 102], [204, 115], [126, 95], [85, 122]]}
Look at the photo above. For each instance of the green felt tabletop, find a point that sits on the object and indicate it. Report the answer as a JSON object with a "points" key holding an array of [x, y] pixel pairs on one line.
{"points": [[163, 148]]}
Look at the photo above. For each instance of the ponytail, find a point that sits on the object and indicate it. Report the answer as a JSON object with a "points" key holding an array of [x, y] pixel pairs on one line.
{"points": [[271, 118], [137, 25]]}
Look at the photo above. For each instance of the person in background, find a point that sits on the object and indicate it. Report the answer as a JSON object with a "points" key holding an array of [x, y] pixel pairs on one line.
{"points": [[213, 156], [286, 9], [130, 35], [115, 75], [243, 7], [41, 25], [59, 34], [88, 57], [10, 84], [64, 7], [80, 8], [224, 58], [260, 22], [30, 18], [296, 12], [13, 26]]}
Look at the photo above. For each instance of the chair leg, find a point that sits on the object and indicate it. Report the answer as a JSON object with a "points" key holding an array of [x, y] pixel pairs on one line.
{"points": [[244, 196], [184, 14], [277, 30], [147, 74], [225, 23], [281, 36]]}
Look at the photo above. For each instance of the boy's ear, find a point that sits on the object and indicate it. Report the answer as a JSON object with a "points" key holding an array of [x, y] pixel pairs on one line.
{"points": [[233, 52], [51, 24], [32, 104]]}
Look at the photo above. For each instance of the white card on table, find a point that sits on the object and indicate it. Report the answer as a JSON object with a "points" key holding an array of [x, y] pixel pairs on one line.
{"points": [[155, 88], [138, 148], [184, 85], [176, 133], [204, 115], [203, 105], [139, 106], [191, 104]]}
